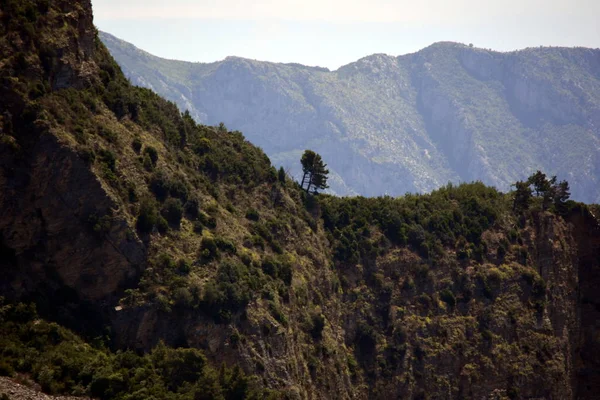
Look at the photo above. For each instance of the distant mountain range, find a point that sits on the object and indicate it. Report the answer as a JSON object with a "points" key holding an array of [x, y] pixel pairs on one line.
{"points": [[390, 125]]}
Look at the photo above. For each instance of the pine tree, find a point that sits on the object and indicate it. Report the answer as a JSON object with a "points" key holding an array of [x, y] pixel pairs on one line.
{"points": [[281, 176], [522, 196], [539, 182], [314, 172], [561, 194]]}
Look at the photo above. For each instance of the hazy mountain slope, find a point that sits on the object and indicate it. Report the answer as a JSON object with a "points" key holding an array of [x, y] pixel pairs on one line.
{"points": [[126, 222], [395, 124]]}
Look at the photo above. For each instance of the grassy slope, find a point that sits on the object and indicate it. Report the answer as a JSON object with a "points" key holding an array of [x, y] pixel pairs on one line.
{"points": [[434, 295]]}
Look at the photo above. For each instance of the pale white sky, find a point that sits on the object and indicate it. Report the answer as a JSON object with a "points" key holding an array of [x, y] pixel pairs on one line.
{"points": [[332, 33]]}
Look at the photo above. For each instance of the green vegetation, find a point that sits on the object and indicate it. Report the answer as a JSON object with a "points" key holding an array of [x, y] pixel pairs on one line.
{"points": [[452, 294], [427, 223], [63, 363], [402, 141], [314, 172], [552, 193]]}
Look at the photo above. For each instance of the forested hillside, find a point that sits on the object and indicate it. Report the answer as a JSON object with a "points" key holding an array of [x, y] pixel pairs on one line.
{"points": [[145, 256], [391, 125]]}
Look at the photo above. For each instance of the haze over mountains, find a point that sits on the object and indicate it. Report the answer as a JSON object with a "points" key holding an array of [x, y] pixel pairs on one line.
{"points": [[388, 125]]}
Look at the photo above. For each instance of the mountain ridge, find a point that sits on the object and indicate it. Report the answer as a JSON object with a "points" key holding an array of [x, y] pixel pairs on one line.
{"points": [[410, 123], [441, 43]]}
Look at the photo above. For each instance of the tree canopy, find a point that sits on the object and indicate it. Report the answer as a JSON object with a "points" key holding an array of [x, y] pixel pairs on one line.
{"points": [[314, 172], [546, 188]]}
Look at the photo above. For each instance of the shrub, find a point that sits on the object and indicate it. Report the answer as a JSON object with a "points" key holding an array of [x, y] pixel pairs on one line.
{"points": [[252, 215], [208, 249], [108, 158], [183, 297], [152, 153], [317, 324], [226, 245], [270, 266], [202, 146], [285, 273], [198, 227], [6, 369], [416, 236], [148, 215], [173, 211], [107, 134], [229, 291], [137, 146], [183, 267], [277, 313], [162, 225], [132, 194], [207, 220], [100, 224], [277, 269], [179, 189], [147, 163], [447, 297], [160, 185], [192, 207]]}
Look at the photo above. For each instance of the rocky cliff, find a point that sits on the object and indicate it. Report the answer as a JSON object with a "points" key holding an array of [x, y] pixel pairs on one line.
{"points": [[125, 221], [50, 193]]}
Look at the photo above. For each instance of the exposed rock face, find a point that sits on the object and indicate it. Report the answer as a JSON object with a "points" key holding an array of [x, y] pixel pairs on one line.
{"points": [[364, 311], [587, 341], [74, 65], [47, 209], [51, 199], [19, 391], [564, 252], [388, 125]]}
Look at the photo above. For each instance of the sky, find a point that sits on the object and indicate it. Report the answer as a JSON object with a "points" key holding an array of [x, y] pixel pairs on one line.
{"points": [[332, 33]]}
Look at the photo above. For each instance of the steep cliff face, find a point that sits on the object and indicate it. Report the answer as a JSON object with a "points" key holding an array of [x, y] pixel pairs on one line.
{"points": [[587, 236], [51, 197], [121, 217], [510, 329]]}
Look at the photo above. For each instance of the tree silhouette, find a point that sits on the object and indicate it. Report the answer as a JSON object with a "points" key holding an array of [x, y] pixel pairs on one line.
{"points": [[549, 190], [522, 196], [314, 172]]}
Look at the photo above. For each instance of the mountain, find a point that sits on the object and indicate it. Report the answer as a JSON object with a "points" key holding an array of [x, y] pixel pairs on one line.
{"points": [[145, 256], [391, 125]]}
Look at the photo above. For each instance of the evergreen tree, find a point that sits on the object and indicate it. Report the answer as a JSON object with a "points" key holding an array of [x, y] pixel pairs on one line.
{"points": [[550, 191], [539, 182], [281, 176], [522, 196], [561, 194], [314, 172]]}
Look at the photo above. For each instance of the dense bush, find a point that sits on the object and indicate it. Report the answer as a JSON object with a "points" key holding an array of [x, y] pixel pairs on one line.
{"points": [[160, 185], [229, 291], [277, 269], [108, 158], [62, 363], [137, 146], [152, 154], [192, 207], [148, 215], [173, 211], [252, 214], [209, 249], [422, 221], [316, 325]]}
